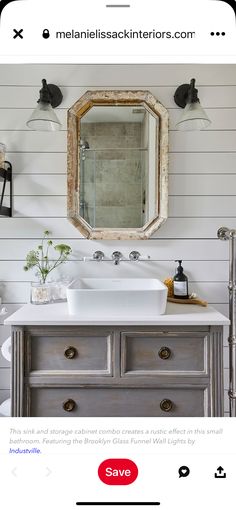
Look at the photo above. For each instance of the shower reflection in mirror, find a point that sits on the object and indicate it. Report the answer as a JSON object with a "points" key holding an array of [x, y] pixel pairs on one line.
{"points": [[84, 146], [117, 167]]}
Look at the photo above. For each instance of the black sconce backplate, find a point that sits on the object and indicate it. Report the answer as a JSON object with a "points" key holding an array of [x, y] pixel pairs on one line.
{"points": [[50, 93], [181, 95], [6, 176], [186, 93]]}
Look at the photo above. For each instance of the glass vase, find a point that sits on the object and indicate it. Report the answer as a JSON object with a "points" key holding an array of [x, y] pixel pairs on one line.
{"points": [[59, 290], [41, 293]]}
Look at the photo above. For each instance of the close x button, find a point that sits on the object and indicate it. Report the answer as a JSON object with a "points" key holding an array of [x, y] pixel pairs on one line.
{"points": [[118, 471], [18, 33]]}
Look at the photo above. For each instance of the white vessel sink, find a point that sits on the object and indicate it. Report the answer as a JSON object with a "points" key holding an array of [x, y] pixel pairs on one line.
{"points": [[117, 297]]}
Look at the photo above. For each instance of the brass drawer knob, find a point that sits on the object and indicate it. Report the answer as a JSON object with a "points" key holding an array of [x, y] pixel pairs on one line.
{"points": [[164, 353], [166, 405], [69, 405], [70, 352]]}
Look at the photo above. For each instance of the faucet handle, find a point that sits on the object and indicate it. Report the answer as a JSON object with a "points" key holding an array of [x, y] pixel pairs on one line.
{"points": [[134, 255], [98, 255]]}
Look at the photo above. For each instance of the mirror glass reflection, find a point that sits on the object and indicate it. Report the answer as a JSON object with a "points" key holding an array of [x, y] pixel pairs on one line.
{"points": [[118, 153]]}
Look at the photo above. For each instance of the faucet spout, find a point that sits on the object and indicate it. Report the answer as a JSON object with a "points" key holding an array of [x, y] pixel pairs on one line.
{"points": [[116, 256]]}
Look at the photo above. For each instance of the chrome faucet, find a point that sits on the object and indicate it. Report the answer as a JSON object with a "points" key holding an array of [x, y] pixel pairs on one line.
{"points": [[134, 255], [98, 255], [117, 257]]}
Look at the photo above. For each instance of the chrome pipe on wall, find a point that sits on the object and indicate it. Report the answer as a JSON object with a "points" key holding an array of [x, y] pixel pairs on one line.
{"points": [[226, 234]]}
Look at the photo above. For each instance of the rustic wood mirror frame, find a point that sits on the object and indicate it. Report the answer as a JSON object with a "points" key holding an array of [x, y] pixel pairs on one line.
{"points": [[116, 98]]}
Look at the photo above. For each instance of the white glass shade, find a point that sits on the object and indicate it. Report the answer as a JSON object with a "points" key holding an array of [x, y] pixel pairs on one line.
{"points": [[194, 118], [44, 118]]}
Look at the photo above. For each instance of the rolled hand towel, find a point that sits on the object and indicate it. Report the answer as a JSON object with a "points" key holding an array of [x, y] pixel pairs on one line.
{"points": [[6, 349]]}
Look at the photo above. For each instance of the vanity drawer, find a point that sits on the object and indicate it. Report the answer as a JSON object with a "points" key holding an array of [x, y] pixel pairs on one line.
{"points": [[85, 353], [153, 353], [75, 402]]}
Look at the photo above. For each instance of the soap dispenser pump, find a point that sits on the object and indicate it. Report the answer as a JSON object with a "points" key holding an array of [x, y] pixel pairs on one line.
{"points": [[180, 281]]}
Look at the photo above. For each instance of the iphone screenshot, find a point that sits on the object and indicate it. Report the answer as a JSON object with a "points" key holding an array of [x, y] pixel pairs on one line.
{"points": [[117, 254]]}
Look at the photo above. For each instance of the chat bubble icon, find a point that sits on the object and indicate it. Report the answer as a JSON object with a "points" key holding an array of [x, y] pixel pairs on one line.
{"points": [[184, 471]]}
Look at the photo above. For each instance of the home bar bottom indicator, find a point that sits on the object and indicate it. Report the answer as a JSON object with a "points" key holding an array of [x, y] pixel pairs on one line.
{"points": [[123, 503]]}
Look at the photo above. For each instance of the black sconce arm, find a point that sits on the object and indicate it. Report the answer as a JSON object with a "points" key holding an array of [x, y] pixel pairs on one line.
{"points": [[6, 176]]}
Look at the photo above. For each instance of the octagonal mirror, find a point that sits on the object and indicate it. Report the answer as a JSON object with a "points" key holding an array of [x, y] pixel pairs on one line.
{"points": [[117, 164]]}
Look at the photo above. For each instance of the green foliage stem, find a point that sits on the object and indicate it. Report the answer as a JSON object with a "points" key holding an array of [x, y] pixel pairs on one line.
{"points": [[40, 259]]}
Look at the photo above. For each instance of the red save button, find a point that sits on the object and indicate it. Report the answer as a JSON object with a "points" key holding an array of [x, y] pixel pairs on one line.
{"points": [[118, 471]]}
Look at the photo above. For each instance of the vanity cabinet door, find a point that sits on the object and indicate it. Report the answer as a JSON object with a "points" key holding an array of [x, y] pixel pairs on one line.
{"points": [[80, 402], [154, 353], [87, 353]]}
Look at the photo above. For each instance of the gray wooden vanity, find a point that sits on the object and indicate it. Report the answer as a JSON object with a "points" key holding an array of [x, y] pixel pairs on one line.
{"points": [[171, 366]]}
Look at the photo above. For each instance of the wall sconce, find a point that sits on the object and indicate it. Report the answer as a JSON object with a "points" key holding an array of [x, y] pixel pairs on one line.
{"points": [[5, 176], [43, 117], [194, 118]]}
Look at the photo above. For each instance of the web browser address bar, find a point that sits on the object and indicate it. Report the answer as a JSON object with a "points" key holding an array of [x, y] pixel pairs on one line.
{"points": [[117, 32]]}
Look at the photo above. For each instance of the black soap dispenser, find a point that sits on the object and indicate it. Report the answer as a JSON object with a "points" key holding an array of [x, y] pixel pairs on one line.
{"points": [[180, 281]]}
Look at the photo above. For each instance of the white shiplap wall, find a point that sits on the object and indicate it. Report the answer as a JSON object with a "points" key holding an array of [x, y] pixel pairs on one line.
{"points": [[202, 180]]}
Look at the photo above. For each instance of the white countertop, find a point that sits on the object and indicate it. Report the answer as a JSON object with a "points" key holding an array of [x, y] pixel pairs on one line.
{"points": [[57, 315]]}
